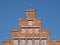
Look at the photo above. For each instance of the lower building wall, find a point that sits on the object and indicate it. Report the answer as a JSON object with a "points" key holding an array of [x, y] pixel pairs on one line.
{"points": [[5, 42], [55, 42]]}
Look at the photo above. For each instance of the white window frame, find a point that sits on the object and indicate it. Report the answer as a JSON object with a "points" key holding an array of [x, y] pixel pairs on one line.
{"points": [[43, 42], [22, 42], [15, 42], [36, 42], [29, 42]]}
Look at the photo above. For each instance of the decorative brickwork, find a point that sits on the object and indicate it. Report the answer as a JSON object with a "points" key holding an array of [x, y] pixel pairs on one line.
{"points": [[30, 32]]}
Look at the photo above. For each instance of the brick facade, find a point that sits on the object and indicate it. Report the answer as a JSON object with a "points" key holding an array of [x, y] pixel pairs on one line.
{"points": [[30, 26]]}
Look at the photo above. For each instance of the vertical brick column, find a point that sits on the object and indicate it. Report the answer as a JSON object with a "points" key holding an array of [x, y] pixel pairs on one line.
{"points": [[40, 32], [11, 42], [33, 36], [19, 41]]}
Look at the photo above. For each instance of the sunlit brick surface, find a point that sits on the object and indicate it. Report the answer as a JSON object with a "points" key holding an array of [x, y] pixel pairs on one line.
{"points": [[30, 32]]}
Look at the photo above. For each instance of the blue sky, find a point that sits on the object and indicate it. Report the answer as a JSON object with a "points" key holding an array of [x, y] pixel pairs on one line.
{"points": [[12, 10]]}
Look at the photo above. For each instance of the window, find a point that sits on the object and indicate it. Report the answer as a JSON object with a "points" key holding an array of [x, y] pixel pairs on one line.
{"points": [[36, 42], [23, 31], [30, 30], [23, 22], [30, 23], [22, 42], [36, 31], [29, 42], [43, 42], [15, 42]]}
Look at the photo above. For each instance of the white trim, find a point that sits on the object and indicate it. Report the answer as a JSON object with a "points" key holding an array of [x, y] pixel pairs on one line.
{"points": [[36, 26], [43, 37], [36, 37], [30, 37], [15, 37], [23, 26], [21, 37], [30, 26]]}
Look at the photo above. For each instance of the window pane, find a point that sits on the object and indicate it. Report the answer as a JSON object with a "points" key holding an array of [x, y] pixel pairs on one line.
{"points": [[43, 42], [22, 42], [23, 31], [30, 23], [29, 42], [36, 42], [36, 30], [30, 30], [15, 42]]}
